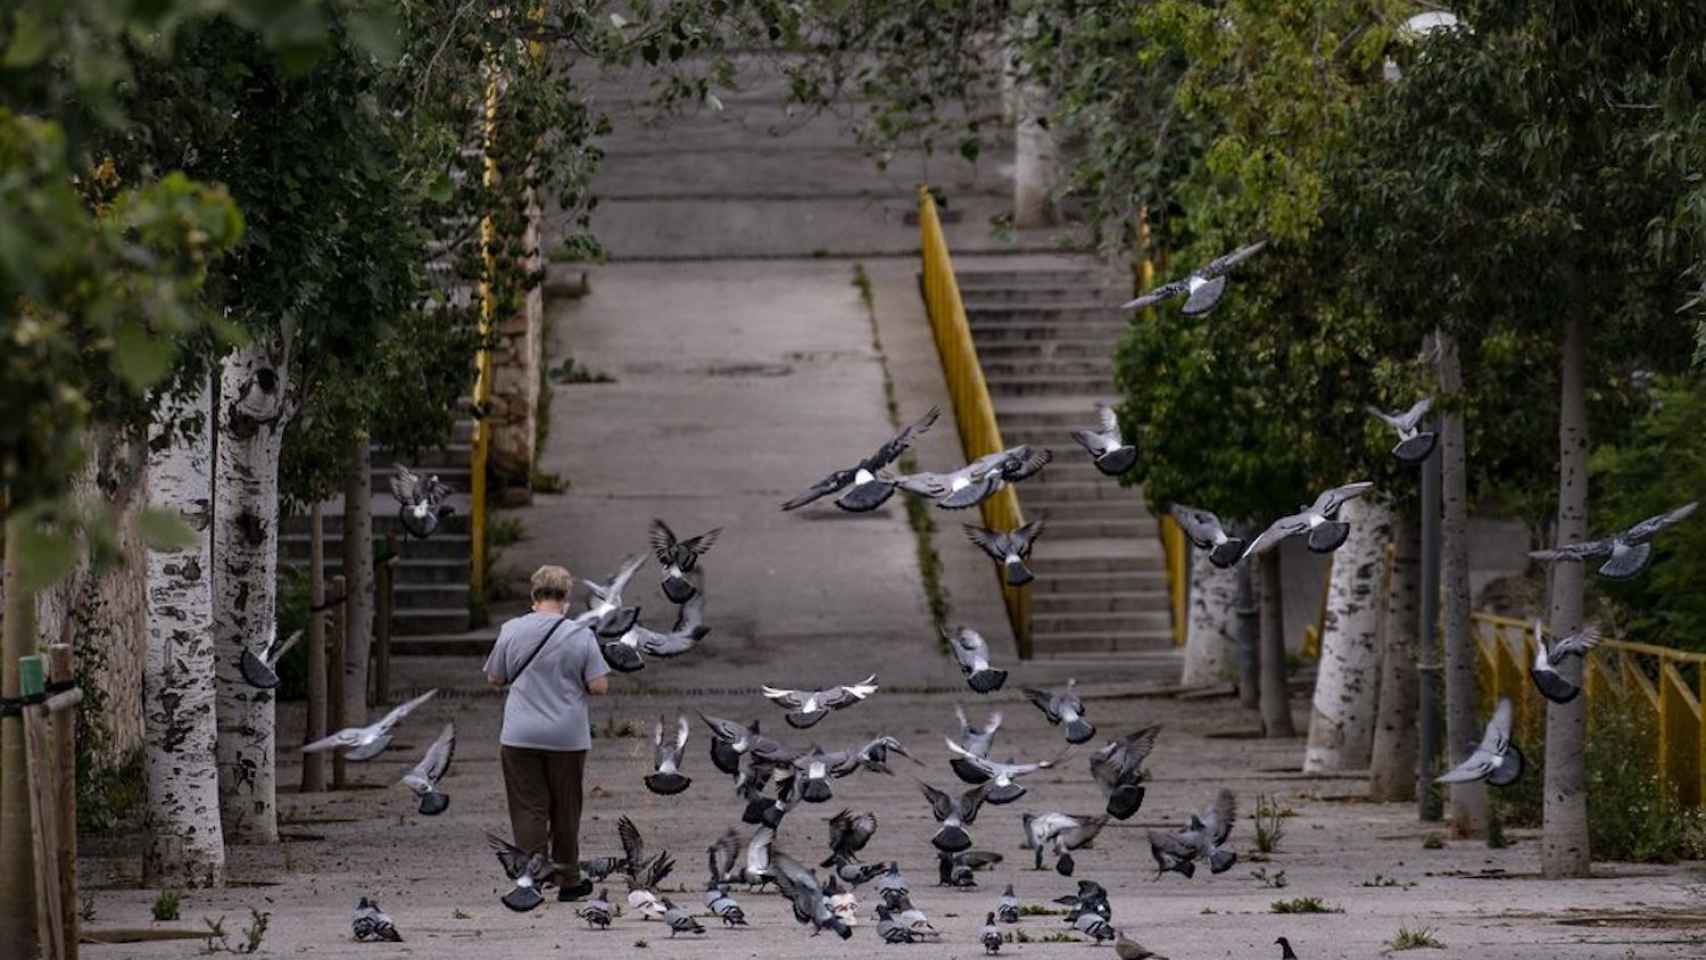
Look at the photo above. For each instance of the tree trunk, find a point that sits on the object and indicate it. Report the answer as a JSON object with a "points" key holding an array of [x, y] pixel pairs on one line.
{"points": [[252, 413], [1248, 614], [1211, 635], [1035, 154], [1341, 725], [1276, 703], [1564, 850], [314, 722], [17, 860], [1468, 813], [1392, 773], [186, 846], [358, 574]]}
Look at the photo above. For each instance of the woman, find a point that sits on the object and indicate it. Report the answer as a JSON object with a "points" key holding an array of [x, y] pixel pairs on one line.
{"points": [[551, 664]]}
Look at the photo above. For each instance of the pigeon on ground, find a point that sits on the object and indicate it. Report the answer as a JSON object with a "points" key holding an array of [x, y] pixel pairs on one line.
{"points": [[910, 917], [869, 491], [596, 912], [678, 919], [678, 558], [977, 742], [1094, 927], [627, 653], [611, 619], [1205, 837], [1063, 833], [848, 834], [972, 653], [953, 813], [1118, 769], [1007, 909], [666, 779], [1414, 443], [1063, 707], [1202, 289], [261, 672], [530, 871], [1547, 679], [1003, 790], [977, 481], [420, 502], [1008, 549], [1207, 533], [810, 905], [1112, 455], [1320, 521], [990, 936], [892, 930], [423, 779], [1286, 952], [1496, 760], [842, 901], [892, 882], [365, 743], [1627, 553], [1125, 948], [723, 753], [370, 922], [959, 869], [598, 869], [807, 707], [1091, 897], [718, 901], [645, 875]]}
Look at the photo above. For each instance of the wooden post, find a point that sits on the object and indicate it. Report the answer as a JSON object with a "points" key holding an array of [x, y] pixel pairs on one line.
{"points": [[335, 675], [383, 605], [314, 764], [43, 761], [17, 874], [61, 671]]}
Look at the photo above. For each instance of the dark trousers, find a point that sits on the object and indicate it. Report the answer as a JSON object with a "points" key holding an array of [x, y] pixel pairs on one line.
{"points": [[544, 792]]}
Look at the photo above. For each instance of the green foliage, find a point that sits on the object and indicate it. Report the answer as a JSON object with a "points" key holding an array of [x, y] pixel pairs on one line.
{"points": [[1407, 939], [506, 531], [1270, 826], [1303, 905], [292, 613], [166, 906], [1274, 881], [1433, 841]]}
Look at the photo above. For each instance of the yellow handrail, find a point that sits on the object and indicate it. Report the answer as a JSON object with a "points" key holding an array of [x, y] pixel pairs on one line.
{"points": [[969, 394], [1178, 554]]}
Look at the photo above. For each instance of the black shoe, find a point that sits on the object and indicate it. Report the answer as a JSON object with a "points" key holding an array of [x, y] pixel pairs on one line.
{"points": [[579, 891]]}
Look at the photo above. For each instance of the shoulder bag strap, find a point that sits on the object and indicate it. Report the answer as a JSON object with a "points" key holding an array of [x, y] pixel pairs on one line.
{"points": [[538, 647]]}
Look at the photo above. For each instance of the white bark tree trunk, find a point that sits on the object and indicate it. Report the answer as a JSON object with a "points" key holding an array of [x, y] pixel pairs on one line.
{"points": [[186, 845], [1276, 700], [1341, 725], [1392, 770], [1211, 634], [358, 580], [1564, 848], [1469, 812], [1036, 160], [1247, 624], [253, 410]]}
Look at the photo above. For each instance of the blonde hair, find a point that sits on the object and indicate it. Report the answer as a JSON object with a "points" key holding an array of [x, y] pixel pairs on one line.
{"points": [[552, 583]]}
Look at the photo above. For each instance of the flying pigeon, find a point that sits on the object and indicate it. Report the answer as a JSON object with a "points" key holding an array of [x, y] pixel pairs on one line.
{"points": [[679, 920], [633, 849], [1496, 760], [848, 834], [1125, 948], [1008, 549], [1414, 443], [892, 930], [958, 869], [261, 672], [972, 653], [954, 814], [530, 871], [873, 756], [1112, 455], [806, 708], [810, 905], [857, 874], [1063, 707], [869, 491], [723, 753], [1004, 790], [1202, 288], [976, 741], [370, 922], [1093, 926], [1207, 533], [1062, 832], [678, 558], [989, 936], [1118, 769], [1547, 680], [420, 503], [627, 653], [1627, 553], [611, 618], [749, 863], [596, 912], [644, 873], [1320, 521], [666, 779], [977, 481], [423, 779], [718, 901], [761, 773], [365, 743], [1007, 909], [1205, 836]]}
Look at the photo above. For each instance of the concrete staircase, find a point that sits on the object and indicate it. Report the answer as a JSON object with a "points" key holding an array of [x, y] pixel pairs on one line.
{"points": [[1046, 340], [431, 596]]}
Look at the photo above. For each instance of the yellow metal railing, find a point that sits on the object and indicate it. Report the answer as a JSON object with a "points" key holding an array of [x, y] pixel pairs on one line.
{"points": [[973, 411], [1178, 554], [1649, 679]]}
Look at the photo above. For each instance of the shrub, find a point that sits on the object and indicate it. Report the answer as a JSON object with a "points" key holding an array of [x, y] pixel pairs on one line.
{"points": [[166, 905], [1303, 905], [1269, 828], [1407, 939]]}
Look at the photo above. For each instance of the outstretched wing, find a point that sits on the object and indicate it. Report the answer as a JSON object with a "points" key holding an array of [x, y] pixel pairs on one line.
{"points": [[513, 858], [822, 488], [1138, 745], [404, 709], [1025, 461], [1044, 701], [972, 801], [850, 694], [891, 451], [1590, 549], [1110, 421], [633, 848], [1576, 644], [702, 543], [1200, 525], [941, 805], [1329, 502], [437, 760], [987, 540], [1026, 535], [405, 485], [663, 541], [1650, 527], [1219, 817], [1166, 291], [792, 699], [1409, 418], [1225, 262], [1276, 531]]}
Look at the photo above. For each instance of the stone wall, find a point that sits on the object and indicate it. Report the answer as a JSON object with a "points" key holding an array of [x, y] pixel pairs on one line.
{"points": [[516, 370]]}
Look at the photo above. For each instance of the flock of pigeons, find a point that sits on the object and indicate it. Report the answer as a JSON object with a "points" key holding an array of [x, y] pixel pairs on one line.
{"points": [[771, 778]]}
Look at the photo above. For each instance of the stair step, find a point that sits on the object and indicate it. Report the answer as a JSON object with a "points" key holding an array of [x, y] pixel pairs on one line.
{"points": [[1098, 367], [429, 460], [1040, 492], [1109, 564], [1066, 511], [1042, 386], [1108, 333], [332, 527], [294, 547], [429, 620], [1052, 349], [413, 570], [1040, 294], [1134, 601], [1101, 642], [1021, 279], [1102, 529], [460, 479], [441, 645], [1066, 419], [1134, 621], [1061, 314], [431, 596], [1051, 581]]}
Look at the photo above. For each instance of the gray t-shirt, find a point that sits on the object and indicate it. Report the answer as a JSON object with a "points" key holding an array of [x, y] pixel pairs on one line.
{"points": [[546, 706]]}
